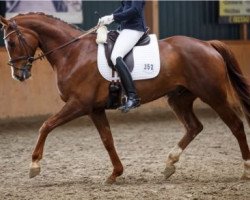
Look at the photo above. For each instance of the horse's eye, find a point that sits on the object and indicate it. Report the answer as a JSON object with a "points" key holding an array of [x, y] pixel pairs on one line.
{"points": [[11, 44]]}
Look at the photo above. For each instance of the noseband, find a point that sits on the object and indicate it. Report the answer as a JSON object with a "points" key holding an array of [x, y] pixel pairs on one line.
{"points": [[24, 45]]}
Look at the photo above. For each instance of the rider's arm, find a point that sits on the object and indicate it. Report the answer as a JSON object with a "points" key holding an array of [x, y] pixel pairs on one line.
{"points": [[118, 10]]}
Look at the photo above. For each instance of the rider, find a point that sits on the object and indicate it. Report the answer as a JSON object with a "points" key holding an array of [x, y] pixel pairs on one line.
{"points": [[131, 21]]}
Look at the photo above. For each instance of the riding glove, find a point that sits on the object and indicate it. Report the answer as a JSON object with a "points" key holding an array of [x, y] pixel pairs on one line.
{"points": [[108, 19]]}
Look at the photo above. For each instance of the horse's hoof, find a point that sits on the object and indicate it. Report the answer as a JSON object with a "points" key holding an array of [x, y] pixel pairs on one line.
{"points": [[169, 170], [111, 180], [35, 170]]}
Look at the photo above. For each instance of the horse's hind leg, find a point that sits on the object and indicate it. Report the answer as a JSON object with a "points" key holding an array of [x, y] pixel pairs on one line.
{"points": [[100, 120], [181, 101], [236, 126]]}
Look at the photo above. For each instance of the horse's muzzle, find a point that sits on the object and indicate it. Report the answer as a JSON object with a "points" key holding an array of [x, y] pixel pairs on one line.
{"points": [[22, 73]]}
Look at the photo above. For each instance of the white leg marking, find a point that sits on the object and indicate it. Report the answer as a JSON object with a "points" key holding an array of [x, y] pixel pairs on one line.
{"points": [[34, 169], [246, 174], [34, 165], [174, 155]]}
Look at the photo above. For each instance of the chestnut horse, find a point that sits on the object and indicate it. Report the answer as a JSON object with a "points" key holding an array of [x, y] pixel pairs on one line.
{"points": [[190, 69]]}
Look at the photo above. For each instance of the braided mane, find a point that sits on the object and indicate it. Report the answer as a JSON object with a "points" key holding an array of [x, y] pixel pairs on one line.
{"points": [[50, 16]]}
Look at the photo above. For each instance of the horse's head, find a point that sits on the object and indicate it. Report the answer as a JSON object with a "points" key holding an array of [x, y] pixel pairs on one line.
{"points": [[21, 44]]}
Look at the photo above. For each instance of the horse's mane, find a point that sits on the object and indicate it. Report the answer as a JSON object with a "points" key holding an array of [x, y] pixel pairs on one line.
{"points": [[49, 16]]}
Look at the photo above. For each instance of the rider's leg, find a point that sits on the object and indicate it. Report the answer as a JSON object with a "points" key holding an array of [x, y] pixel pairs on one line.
{"points": [[124, 43], [128, 84]]}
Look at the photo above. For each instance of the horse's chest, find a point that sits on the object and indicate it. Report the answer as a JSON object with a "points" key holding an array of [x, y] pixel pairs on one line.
{"points": [[63, 88]]}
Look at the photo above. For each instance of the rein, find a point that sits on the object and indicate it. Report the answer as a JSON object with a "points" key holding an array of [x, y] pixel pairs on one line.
{"points": [[31, 59], [66, 44]]}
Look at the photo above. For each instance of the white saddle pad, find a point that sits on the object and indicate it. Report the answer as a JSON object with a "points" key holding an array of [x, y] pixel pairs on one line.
{"points": [[146, 61]]}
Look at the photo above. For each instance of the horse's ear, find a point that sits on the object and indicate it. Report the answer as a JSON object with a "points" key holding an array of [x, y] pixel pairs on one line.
{"points": [[3, 21]]}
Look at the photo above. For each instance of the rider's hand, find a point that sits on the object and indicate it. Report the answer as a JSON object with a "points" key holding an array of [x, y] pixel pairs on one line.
{"points": [[108, 19]]}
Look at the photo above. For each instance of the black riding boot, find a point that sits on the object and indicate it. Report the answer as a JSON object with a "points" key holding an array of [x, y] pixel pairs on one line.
{"points": [[128, 84]]}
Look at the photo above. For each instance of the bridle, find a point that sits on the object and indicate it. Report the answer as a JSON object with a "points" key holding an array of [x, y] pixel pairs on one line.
{"points": [[30, 59], [24, 45]]}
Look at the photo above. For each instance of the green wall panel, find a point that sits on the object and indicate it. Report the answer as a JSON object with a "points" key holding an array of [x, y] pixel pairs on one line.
{"points": [[197, 19], [2, 13], [102, 7]]}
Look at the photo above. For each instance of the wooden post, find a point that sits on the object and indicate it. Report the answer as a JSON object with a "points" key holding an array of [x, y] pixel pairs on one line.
{"points": [[244, 31], [152, 16]]}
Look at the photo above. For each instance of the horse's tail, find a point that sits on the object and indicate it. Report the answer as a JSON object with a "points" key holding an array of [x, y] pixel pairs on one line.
{"points": [[240, 84]]}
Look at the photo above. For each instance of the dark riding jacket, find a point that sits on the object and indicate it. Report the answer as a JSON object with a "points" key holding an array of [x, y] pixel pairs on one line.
{"points": [[130, 15]]}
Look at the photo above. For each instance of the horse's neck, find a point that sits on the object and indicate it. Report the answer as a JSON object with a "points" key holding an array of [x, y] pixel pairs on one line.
{"points": [[53, 36]]}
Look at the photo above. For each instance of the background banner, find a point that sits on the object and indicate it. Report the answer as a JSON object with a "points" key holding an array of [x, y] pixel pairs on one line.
{"points": [[69, 11], [234, 11]]}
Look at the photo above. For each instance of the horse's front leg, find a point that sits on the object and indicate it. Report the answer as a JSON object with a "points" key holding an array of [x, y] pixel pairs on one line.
{"points": [[100, 120], [70, 111]]}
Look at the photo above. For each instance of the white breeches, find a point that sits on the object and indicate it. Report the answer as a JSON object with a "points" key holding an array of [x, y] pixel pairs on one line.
{"points": [[124, 43]]}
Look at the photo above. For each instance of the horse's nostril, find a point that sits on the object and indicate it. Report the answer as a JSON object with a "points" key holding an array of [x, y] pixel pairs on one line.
{"points": [[19, 78]]}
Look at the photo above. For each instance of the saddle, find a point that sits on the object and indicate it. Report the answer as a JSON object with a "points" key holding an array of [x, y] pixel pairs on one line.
{"points": [[111, 38]]}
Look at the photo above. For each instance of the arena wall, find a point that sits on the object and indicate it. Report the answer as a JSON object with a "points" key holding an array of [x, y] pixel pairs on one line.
{"points": [[39, 95]]}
